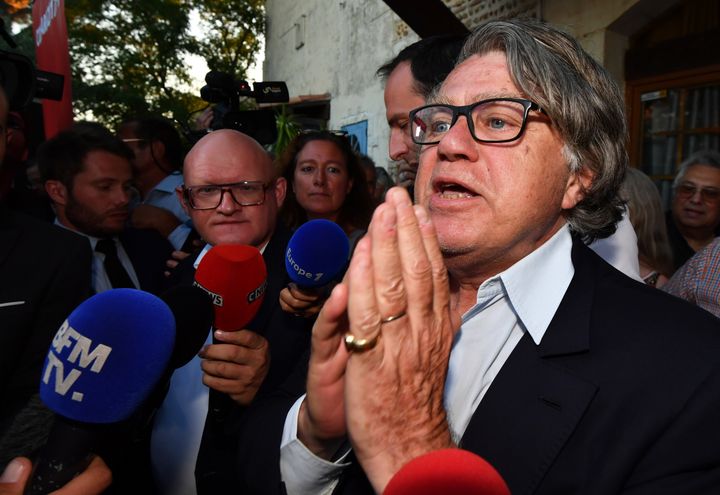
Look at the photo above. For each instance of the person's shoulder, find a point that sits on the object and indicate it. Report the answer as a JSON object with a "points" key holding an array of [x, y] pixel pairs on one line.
{"points": [[146, 238], [47, 235], [634, 309]]}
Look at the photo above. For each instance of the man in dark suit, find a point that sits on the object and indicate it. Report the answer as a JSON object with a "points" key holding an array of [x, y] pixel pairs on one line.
{"points": [[45, 274], [89, 179], [233, 196], [479, 319]]}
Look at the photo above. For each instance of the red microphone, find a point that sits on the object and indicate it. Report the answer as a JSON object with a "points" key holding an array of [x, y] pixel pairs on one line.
{"points": [[447, 471], [235, 276]]}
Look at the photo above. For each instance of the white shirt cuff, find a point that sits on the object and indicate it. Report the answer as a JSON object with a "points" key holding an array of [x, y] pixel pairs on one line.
{"points": [[303, 472]]}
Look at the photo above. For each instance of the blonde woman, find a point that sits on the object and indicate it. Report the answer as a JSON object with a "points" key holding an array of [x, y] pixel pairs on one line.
{"points": [[648, 220]]}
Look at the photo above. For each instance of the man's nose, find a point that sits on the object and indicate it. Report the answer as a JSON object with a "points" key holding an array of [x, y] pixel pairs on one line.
{"points": [[696, 196], [227, 203], [397, 148], [122, 196], [458, 143]]}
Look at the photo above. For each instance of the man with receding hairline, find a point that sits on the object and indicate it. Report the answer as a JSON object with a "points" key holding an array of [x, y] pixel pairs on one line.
{"points": [[479, 319]]}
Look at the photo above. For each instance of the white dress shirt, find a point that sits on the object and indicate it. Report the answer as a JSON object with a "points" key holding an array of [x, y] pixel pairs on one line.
{"points": [[523, 298], [179, 424], [163, 196], [100, 279], [621, 249]]}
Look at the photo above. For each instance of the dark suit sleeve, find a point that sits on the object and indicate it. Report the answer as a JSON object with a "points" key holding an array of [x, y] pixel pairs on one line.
{"points": [[49, 270], [68, 287], [259, 452], [686, 458]]}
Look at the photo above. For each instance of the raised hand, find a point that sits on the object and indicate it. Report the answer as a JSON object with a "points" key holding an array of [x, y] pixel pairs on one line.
{"points": [[401, 331]]}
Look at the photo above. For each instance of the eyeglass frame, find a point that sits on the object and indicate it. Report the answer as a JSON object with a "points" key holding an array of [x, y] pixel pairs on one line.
{"points": [[226, 187], [334, 132], [466, 110], [689, 189]]}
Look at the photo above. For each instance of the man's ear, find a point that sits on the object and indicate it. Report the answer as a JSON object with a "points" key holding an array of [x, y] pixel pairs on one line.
{"points": [[157, 148], [181, 198], [57, 192], [577, 185], [279, 190]]}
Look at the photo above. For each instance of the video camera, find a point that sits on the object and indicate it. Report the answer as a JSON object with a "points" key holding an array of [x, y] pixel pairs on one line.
{"points": [[23, 82], [224, 90]]}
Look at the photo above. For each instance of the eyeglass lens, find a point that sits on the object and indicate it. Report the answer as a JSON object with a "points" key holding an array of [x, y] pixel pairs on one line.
{"points": [[707, 194], [492, 121], [243, 193]]}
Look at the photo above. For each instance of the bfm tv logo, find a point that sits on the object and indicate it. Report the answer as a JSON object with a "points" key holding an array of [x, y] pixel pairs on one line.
{"points": [[81, 354]]}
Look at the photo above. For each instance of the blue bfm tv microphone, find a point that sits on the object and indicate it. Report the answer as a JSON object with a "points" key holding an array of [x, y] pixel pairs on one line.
{"points": [[103, 362], [317, 252]]}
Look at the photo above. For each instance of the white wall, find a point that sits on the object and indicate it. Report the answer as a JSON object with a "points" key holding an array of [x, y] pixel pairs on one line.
{"points": [[344, 43]]}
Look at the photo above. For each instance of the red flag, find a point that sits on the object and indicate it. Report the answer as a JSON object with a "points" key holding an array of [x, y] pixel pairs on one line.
{"points": [[52, 55]]}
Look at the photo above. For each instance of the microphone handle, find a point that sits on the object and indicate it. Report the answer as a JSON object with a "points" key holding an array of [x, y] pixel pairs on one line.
{"points": [[68, 452], [219, 404]]}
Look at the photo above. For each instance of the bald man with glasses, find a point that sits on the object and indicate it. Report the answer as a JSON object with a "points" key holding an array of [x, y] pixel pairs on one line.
{"points": [[232, 194]]}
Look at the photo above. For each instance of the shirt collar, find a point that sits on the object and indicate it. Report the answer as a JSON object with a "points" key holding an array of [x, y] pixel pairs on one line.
{"points": [[534, 286], [169, 183], [93, 240]]}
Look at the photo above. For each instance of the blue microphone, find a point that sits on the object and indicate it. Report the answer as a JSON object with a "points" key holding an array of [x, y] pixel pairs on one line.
{"points": [[103, 362], [317, 252]]}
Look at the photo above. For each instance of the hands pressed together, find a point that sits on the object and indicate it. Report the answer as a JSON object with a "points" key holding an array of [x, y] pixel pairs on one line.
{"points": [[386, 394]]}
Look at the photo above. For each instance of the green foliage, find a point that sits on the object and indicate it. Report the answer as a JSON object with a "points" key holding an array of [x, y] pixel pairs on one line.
{"points": [[287, 129], [232, 30], [128, 57]]}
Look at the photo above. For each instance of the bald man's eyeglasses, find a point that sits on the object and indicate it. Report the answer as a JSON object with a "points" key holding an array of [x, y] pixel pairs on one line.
{"points": [[210, 196]]}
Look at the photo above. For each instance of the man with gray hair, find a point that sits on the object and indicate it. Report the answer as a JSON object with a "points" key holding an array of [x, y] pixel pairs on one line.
{"points": [[694, 218], [479, 319]]}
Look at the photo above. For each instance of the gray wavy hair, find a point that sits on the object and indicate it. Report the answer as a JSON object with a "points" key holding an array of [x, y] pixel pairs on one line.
{"points": [[710, 158], [583, 102]]}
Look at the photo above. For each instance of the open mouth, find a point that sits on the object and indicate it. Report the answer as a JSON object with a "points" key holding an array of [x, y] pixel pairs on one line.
{"points": [[453, 190]]}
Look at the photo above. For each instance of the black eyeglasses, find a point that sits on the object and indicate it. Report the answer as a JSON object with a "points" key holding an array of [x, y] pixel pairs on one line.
{"points": [[497, 120], [333, 132], [707, 194], [209, 197]]}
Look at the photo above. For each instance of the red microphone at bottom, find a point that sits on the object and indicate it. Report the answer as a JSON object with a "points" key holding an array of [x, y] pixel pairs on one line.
{"points": [[447, 471]]}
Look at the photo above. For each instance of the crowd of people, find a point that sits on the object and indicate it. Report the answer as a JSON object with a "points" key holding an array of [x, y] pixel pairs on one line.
{"points": [[471, 315]]}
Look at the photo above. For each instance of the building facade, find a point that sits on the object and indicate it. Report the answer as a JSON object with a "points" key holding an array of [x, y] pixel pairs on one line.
{"points": [[662, 52]]}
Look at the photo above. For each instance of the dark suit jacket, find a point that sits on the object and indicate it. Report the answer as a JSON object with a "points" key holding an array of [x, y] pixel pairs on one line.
{"points": [[47, 269], [621, 396], [288, 337], [148, 251]]}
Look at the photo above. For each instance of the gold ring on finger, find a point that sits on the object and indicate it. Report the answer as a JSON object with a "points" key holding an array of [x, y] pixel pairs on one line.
{"points": [[357, 345]]}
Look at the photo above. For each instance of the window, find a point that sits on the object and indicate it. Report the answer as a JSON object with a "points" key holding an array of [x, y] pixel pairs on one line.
{"points": [[670, 119]]}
